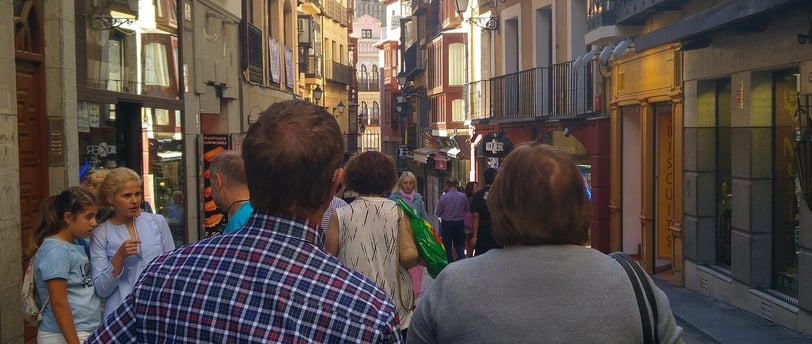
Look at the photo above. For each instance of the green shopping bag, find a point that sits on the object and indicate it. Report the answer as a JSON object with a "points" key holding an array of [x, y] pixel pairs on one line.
{"points": [[428, 242]]}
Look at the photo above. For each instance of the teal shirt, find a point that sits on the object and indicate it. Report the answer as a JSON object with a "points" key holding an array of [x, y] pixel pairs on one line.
{"points": [[59, 259], [239, 218]]}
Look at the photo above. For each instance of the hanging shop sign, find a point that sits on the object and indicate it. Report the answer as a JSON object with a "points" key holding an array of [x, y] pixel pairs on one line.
{"points": [[440, 162], [494, 145]]}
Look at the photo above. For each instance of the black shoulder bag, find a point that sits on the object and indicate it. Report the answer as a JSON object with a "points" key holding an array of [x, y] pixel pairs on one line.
{"points": [[639, 281]]}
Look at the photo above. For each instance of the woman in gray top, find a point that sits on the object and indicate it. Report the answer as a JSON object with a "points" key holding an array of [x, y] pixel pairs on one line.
{"points": [[544, 286]]}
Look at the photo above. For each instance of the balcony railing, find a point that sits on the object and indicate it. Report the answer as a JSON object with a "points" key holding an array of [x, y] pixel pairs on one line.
{"points": [[366, 85], [336, 12], [340, 73], [478, 98], [555, 92], [635, 12], [313, 67], [601, 13], [413, 59]]}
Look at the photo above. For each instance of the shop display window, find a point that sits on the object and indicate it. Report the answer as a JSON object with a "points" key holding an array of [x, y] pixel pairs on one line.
{"points": [[786, 200], [117, 60], [723, 174], [107, 139], [160, 55], [164, 173]]}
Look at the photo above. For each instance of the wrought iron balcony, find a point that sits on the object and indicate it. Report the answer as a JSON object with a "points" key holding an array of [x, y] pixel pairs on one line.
{"points": [[559, 91], [312, 68], [367, 85], [635, 12], [335, 11], [601, 13], [413, 59], [340, 73]]}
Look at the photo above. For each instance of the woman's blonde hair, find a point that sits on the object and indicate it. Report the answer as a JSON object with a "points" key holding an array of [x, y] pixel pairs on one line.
{"points": [[96, 178], [404, 176], [113, 182]]}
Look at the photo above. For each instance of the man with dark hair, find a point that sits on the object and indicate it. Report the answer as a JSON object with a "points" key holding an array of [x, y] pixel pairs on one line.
{"points": [[269, 281], [482, 238], [229, 189], [451, 210]]}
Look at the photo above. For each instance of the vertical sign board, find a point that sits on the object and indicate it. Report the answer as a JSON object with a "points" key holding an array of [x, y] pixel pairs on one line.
{"points": [[214, 219], [665, 185], [288, 67]]}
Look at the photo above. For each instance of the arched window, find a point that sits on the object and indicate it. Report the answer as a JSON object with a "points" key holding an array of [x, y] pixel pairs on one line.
{"points": [[374, 77], [376, 111], [364, 109], [362, 73]]}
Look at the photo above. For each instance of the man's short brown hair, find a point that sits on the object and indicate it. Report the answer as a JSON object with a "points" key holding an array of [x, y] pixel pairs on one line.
{"points": [[371, 173], [539, 198], [291, 155]]}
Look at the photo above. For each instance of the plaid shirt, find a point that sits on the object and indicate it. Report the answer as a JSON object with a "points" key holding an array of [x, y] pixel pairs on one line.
{"points": [[267, 282]]}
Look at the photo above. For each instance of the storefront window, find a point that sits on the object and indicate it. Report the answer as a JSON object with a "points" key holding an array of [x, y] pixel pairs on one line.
{"points": [[110, 137], [723, 177], [117, 60], [164, 173], [785, 187], [97, 136]]}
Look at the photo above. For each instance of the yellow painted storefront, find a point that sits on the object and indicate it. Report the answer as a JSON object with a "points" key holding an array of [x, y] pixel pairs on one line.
{"points": [[646, 90]]}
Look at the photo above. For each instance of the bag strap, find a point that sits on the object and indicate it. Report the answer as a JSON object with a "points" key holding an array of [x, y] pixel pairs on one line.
{"points": [[33, 267], [639, 284], [397, 273]]}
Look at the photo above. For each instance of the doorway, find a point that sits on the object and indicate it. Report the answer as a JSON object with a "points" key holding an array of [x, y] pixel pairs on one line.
{"points": [[663, 186], [32, 126]]}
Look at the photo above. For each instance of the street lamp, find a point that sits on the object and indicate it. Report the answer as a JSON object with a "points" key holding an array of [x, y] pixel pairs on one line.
{"points": [[361, 119], [317, 92], [340, 107], [486, 23], [402, 78]]}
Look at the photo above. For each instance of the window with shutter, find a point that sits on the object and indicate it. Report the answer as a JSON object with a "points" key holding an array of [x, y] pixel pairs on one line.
{"points": [[254, 44]]}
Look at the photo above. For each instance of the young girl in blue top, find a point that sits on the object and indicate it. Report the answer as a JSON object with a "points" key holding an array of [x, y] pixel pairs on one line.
{"points": [[62, 268]]}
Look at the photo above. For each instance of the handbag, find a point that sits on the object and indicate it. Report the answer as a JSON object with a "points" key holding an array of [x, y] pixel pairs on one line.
{"points": [[647, 304], [408, 254], [429, 243]]}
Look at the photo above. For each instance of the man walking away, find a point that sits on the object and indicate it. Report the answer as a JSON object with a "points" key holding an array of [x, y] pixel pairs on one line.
{"points": [[451, 209], [267, 282]]}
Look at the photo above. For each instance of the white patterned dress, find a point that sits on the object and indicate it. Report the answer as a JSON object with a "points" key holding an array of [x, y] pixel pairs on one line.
{"points": [[368, 230]]}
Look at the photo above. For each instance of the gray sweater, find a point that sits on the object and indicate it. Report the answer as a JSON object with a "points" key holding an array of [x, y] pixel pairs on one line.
{"points": [[535, 294]]}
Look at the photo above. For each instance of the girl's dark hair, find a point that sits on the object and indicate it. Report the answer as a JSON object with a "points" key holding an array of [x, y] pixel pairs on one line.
{"points": [[469, 188], [72, 200]]}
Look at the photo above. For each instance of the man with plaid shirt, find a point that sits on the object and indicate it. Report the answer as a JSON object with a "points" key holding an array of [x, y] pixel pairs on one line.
{"points": [[268, 282]]}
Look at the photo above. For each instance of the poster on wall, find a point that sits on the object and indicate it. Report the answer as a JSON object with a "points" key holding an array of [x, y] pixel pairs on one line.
{"points": [[214, 219], [273, 59]]}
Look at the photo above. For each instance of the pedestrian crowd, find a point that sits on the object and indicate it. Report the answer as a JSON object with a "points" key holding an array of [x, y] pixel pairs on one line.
{"points": [[319, 249]]}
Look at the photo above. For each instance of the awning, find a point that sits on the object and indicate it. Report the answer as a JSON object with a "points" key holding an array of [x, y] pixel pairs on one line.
{"points": [[452, 152], [421, 155]]}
